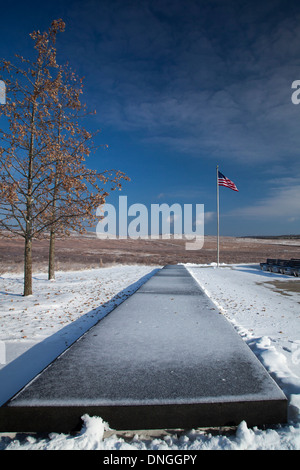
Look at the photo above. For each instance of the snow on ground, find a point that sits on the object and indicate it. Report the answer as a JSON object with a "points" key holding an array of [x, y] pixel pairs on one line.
{"points": [[34, 330], [57, 303], [264, 308]]}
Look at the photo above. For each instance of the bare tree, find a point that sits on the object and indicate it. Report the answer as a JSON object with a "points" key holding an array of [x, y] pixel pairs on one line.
{"points": [[45, 186], [24, 144], [77, 190]]}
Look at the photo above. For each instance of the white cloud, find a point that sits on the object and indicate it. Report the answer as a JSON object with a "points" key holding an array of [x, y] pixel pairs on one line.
{"points": [[282, 202], [209, 215]]}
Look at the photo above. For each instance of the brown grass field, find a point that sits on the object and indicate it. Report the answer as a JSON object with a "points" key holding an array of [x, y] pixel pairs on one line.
{"points": [[86, 251]]}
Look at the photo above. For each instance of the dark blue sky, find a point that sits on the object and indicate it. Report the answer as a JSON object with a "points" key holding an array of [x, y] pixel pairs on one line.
{"points": [[181, 86]]}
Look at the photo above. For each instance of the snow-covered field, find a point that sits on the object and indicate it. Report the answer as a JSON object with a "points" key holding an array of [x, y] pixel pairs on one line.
{"points": [[264, 308]]}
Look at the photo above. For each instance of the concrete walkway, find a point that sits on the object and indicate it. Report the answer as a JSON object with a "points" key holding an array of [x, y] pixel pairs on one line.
{"points": [[164, 358]]}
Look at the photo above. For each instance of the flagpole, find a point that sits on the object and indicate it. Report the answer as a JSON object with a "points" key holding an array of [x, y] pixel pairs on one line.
{"points": [[218, 220]]}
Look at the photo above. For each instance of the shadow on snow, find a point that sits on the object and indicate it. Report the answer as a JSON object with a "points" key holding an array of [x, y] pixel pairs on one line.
{"points": [[18, 373]]}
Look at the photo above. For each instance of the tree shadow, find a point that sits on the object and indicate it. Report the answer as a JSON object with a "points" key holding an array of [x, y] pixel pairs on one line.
{"points": [[2, 292], [18, 281], [255, 269]]}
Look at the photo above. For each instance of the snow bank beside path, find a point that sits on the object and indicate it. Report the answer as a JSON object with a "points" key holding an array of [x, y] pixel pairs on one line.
{"points": [[264, 309], [91, 437]]}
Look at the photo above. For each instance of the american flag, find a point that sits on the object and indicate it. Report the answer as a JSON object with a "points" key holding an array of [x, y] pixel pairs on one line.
{"points": [[223, 181]]}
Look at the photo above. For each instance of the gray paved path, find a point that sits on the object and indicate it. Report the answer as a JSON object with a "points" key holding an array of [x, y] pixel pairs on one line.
{"points": [[164, 358]]}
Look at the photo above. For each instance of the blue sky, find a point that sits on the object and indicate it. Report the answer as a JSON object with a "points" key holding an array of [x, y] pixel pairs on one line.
{"points": [[181, 86]]}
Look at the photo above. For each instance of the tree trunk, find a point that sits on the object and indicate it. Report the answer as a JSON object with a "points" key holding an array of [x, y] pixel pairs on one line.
{"points": [[51, 267], [29, 207], [51, 261], [28, 267]]}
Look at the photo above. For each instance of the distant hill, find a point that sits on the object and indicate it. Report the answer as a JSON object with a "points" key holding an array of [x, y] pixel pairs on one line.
{"points": [[274, 237]]}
